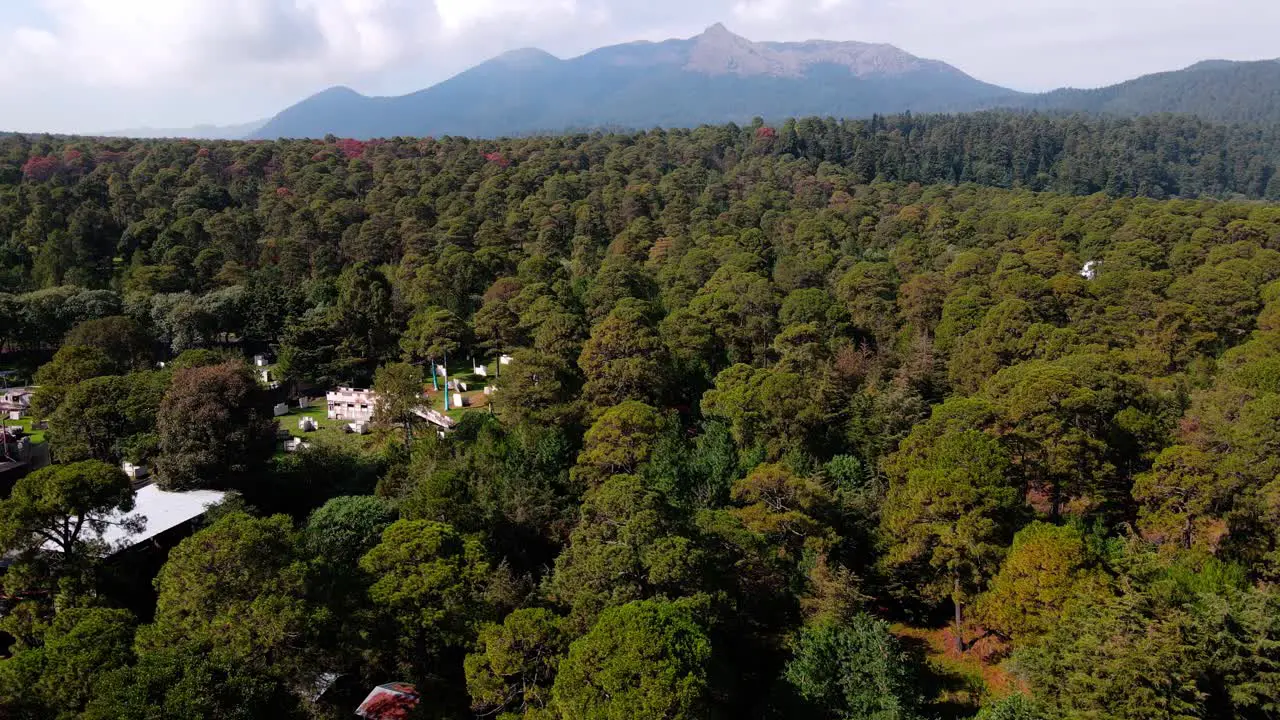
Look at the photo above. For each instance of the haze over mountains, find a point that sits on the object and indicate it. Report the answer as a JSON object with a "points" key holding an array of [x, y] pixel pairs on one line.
{"points": [[203, 132], [719, 77]]}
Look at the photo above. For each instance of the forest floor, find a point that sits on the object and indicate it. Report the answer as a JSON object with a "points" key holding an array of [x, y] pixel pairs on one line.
{"points": [[960, 682]]}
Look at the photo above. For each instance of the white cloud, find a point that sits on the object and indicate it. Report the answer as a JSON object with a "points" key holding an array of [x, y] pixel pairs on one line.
{"points": [[151, 43], [458, 16], [99, 64]]}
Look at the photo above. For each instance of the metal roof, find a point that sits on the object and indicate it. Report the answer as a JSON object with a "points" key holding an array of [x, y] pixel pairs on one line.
{"points": [[163, 511]]}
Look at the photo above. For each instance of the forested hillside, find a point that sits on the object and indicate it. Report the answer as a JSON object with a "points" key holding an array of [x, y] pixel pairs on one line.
{"points": [[74, 210], [1216, 90], [795, 425]]}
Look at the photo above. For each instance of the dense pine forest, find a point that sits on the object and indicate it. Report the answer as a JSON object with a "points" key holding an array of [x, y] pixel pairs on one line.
{"points": [[908, 418]]}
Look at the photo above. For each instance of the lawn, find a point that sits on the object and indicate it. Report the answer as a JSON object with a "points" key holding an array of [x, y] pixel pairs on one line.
{"points": [[330, 432], [28, 426], [474, 394]]}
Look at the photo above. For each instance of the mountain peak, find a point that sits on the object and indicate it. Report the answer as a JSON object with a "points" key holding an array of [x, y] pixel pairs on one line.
{"points": [[337, 91], [717, 30], [719, 52], [527, 56]]}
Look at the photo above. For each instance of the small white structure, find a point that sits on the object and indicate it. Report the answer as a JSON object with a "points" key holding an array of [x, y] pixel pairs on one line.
{"points": [[351, 404], [358, 428], [442, 371], [304, 403], [457, 385], [135, 472], [480, 371], [307, 424], [435, 417], [295, 444], [280, 409], [260, 361], [489, 389], [1090, 270], [457, 400], [505, 359]]}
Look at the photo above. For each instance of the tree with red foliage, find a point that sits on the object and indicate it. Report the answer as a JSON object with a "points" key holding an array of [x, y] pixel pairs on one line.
{"points": [[41, 167], [351, 148]]}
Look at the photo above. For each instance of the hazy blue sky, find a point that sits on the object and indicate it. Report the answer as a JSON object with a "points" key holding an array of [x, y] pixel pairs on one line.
{"points": [[86, 65]]}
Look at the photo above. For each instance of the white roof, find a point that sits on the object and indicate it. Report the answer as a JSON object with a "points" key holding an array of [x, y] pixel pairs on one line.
{"points": [[163, 511]]}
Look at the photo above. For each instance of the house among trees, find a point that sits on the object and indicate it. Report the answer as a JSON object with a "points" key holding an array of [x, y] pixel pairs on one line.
{"points": [[15, 402], [164, 511], [351, 404]]}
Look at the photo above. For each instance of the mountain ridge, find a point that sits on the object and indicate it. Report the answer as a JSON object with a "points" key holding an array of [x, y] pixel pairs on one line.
{"points": [[715, 76], [718, 76]]}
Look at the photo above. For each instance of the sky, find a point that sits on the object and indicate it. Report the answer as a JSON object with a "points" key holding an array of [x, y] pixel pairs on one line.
{"points": [[99, 65]]}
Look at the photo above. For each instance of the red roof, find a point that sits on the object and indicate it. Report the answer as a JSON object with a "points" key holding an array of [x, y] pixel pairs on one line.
{"points": [[393, 701]]}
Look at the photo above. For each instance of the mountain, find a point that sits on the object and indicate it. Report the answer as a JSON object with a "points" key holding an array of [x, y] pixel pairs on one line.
{"points": [[719, 77], [714, 77], [1219, 90], [199, 132]]}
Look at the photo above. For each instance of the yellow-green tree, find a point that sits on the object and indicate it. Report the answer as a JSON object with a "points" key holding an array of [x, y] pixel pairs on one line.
{"points": [[948, 515]]}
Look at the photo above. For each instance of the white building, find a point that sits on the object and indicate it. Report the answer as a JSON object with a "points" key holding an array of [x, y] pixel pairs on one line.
{"points": [[351, 404], [135, 472], [15, 402]]}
